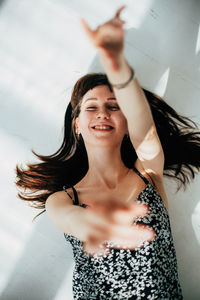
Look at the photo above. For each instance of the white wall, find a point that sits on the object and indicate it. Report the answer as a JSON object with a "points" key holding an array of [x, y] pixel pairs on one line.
{"points": [[43, 51]]}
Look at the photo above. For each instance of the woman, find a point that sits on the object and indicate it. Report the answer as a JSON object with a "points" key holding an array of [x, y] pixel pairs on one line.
{"points": [[113, 209]]}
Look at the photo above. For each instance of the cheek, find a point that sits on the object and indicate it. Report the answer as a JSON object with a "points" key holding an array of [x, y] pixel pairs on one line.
{"points": [[125, 124], [84, 120], [122, 122]]}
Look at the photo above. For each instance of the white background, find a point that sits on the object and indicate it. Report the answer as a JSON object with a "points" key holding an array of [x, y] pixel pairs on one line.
{"points": [[43, 51]]}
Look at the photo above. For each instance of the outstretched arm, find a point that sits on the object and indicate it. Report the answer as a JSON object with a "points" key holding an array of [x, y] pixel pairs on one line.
{"points": [[109, 41]]}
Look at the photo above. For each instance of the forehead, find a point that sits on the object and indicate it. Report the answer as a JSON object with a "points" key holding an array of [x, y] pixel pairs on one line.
{"points": [[99, 93]]}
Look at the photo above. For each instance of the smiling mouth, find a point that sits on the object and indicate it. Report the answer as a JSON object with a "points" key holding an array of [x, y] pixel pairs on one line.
{"points": [[103, 128]]}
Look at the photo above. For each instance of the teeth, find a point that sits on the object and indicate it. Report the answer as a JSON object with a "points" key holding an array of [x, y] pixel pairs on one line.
{"points": [[102, 127]]}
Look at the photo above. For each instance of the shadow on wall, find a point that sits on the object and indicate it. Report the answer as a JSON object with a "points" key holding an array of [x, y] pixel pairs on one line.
{"points": [[36, 130], [44, 264], [182, 207], [2, 3]]}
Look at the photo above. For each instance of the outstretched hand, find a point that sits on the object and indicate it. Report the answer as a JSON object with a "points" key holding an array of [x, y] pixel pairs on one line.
{"points": [[108, 38], [112, 226]]}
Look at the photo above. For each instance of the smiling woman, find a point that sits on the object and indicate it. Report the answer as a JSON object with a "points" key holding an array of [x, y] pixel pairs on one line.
{"points": [[104, 187]]}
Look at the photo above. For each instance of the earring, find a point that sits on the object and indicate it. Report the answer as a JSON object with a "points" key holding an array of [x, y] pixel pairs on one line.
{"points": [[76, 130], [78, 134]]}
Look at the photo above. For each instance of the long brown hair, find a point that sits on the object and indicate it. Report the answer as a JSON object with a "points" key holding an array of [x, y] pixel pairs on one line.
{"points": [[179, 136]]}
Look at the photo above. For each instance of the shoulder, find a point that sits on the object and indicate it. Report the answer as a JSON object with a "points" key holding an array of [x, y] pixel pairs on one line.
{"points": [[155, 180], [59, 208], [59, 199], [148, 175]]}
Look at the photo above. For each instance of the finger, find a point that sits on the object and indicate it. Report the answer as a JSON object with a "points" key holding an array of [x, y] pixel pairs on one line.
{"points": [[128, 216], [134, 232], [96, 241], [132, 238], [139, 210], [87, 29], [118, 12], [117, 22], [99, 223], [120, 213], [136, 210]]}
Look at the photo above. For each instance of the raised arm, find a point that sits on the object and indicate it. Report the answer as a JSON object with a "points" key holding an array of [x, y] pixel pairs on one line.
{"points": [[109, 41]]}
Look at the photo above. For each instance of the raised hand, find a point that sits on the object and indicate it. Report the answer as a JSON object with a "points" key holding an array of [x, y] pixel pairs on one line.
{"points": [[114, 222], [108, 38]]}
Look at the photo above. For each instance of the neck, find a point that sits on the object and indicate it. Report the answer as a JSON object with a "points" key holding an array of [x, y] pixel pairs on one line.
{"points": [[106, 167]]}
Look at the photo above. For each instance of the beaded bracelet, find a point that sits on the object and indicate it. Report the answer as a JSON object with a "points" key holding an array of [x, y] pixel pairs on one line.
{"points": [[123, 85]]}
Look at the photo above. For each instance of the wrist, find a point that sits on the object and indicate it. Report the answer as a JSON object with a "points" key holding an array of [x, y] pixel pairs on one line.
{"points": [[107, 62], [122, 74], [124, 84]]}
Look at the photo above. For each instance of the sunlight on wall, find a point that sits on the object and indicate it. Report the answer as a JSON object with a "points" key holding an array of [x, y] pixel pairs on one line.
{"points": [[14, 234], [10, 244], [38, 56], [161, 86], [10, 249], [196, 221], [15, 216], [28, 93], [198, 42]]}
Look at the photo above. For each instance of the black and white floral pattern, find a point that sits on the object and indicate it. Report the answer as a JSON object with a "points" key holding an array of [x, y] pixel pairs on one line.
{"points": [[146, 273]]}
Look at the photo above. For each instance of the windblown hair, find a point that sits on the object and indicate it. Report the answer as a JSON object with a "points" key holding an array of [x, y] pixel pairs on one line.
{"points": [[179, 136]]}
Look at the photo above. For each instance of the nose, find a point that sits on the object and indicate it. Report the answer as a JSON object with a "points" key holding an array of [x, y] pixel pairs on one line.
{"points": [[103, 113]]}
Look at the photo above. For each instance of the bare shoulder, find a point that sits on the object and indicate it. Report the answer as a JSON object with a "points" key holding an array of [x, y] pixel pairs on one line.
{"points": [[149, 176], [59, 199], [60, 208], [156, 181]]}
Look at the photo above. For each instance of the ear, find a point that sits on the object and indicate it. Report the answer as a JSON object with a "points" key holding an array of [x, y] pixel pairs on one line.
{"points": [[76, 123]]}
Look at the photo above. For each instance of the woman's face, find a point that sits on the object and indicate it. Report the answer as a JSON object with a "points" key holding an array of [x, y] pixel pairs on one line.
{"points": [[100, 120]]}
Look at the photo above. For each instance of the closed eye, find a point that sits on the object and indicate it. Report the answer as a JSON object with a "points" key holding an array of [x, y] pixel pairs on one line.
{"points": [[114, 107], [91, 107], [110, 107]]}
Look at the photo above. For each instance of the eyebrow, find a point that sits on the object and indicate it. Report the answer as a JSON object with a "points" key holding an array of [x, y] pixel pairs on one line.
{"points": [[111, 98]]}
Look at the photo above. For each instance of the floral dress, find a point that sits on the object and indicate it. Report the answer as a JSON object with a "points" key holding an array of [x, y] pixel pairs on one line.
{"points": [[145, 273]]}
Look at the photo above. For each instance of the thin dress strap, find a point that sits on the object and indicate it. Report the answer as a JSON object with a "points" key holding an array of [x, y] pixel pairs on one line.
{"points": [[75, 200], [143, 178]]}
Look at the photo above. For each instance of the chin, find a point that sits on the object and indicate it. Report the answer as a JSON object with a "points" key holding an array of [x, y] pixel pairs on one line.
{"points": [[103, 141]]}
